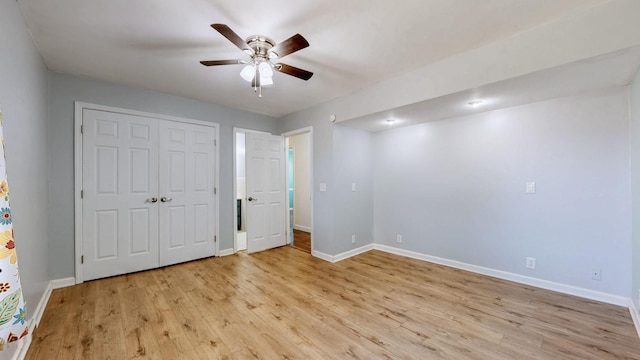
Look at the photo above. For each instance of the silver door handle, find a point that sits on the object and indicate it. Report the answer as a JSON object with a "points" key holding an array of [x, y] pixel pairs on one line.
{"points": [[165, 199], [152, 200], [251, 199]]}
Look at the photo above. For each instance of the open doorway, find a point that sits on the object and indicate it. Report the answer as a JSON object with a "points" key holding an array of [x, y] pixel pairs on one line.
{"points": [[240, 191], [299, 180], [297, 209]]}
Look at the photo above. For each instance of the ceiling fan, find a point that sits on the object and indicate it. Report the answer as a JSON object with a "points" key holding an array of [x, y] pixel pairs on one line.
{"points": [[262, 51]]}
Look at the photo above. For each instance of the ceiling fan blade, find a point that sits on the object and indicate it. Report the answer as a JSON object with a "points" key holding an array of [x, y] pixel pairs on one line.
{"points": [[222, 62], [291, 45], [293, 71], [226, 31]]}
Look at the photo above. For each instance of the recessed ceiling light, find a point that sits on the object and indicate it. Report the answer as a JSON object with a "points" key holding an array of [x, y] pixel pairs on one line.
{"points": [[475, 103], [390, 121]]}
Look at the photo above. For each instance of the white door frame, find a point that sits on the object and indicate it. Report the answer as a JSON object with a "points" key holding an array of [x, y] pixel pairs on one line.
{"points": [[77, 159], [234, 208], [308, 129]]}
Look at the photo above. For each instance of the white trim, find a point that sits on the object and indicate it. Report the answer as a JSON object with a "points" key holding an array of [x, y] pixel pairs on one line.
{"points": [[77, 167], [302, 228], [323, 256], [544, 284], [216, 186], [226, 252], [307, 129], [352, 253], [62, 283], [23, 346], [287, 199], [42, 305], [635, 316], [77, 187], [344, 255]]}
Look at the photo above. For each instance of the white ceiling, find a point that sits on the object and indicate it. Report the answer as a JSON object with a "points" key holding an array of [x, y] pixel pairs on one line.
{"points": [[157, 44], [594, 74]]}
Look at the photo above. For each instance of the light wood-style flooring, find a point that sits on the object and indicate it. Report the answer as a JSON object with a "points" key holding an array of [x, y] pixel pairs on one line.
{"points": [[285, 304], [302, 240]]}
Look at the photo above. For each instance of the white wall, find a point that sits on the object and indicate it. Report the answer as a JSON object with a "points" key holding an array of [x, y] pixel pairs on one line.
{"points": [[455, 189], [302, 181], [67, 89], [635, 185], [23, 98]]}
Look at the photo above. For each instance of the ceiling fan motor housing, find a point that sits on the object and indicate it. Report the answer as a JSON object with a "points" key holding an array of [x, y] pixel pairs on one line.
{"points": [[261, 46]]}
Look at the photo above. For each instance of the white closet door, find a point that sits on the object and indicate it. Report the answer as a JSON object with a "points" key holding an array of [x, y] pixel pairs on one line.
{"points": [[120, 182], [266, 190], [187, 201]]}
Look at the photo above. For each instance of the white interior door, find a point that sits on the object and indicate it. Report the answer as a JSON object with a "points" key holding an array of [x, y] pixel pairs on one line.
{"points": [[186, 198], [120, 187], [266, 191]]}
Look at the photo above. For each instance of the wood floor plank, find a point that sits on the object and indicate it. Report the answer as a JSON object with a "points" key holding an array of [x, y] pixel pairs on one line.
{"points": [[285, 304]]}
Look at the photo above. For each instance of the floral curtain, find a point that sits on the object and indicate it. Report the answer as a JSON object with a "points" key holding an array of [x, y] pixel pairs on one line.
{"points": [[13, 317]]}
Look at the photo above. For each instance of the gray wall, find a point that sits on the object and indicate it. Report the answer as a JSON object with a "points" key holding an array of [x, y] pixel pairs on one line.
{"points": [[64, 90], [23, 97], [635, 185], [456, 189], [352, 211], [322, 149], [341, 156]]}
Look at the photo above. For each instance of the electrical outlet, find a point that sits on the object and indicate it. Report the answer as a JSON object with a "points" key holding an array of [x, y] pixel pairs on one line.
{"points": [[596, 274], [398, 238], [531, 263], [353, 239]]}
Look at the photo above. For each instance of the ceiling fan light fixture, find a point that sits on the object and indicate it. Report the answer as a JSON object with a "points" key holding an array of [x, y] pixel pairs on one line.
{"points": [[266, 81], [259, 69], [248, 72], [265, 70]]}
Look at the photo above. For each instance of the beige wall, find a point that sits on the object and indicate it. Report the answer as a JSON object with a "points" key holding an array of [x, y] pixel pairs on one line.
{"points": [[302, 181]]}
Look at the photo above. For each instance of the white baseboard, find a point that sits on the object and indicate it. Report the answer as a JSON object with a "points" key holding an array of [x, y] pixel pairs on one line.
{"points": [[344, 255], [635, 316], [62, 283], [302, 228], [226, 252], [321, 255], [544, 284], [23, 346], [24, 343], [352, 253], [42, 304]]}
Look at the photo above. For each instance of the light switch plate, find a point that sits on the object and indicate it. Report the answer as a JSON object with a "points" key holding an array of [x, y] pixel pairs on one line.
{"points": [[323, 186], [353, 187], [531, 187]]}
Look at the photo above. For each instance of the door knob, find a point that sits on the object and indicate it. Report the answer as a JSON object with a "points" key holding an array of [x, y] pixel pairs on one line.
{"points": [[152, 200], [251, 198], [165, 199]]}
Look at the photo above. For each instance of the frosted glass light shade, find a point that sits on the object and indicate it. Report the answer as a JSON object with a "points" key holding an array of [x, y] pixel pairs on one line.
{"points": [[248, 72], [265, 81], [265, 70]]}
